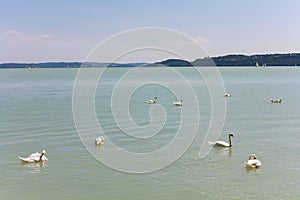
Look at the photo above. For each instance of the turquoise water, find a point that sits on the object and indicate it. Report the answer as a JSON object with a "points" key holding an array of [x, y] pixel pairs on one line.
{"points": [[36, 114]]}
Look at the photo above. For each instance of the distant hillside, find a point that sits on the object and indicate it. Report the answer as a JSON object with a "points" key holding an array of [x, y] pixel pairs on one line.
{"points": [[41, 65], [290, 59], [268, 59], [175, 63], [66, 65]]}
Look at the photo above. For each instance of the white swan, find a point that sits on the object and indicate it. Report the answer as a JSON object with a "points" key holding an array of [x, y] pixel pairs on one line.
{"points": [[151, 101], [35, 157], [276, 100], [253, 162], [178, 103], [222, 143], [226, 95], [99, 140]]}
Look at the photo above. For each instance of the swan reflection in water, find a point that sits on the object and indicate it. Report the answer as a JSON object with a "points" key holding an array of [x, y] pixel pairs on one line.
{"points": [[224, 151], [35, 168], [99, 147], [251, 170]]}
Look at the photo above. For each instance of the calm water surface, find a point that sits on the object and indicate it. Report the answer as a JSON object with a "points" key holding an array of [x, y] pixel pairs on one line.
{"points": [[36, 114]]}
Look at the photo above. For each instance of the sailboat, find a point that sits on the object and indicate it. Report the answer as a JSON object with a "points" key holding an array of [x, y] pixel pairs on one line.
{"points": [[263, 65]]}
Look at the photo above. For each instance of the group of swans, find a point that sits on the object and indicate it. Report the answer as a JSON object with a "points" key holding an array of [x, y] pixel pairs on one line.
{"points": [[35, 157], [176, 103], [154, 101], [180, 103], [252, 162], [40, 157], [272, 100]]}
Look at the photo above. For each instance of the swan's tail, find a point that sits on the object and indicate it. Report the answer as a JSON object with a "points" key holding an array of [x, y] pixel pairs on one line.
{"points": [[211, 143], [23, 159]]}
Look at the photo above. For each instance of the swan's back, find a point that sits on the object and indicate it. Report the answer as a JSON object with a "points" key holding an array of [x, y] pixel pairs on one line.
{"points": [[211, 143], [255, 163], [151, 101], [177, 103], [221, 144]]}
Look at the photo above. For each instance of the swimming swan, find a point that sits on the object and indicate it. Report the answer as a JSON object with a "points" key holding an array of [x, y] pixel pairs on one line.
{"points": [[151, 101], [35, 157], [222, 143], [276, 100], [253, 162], [99, 140], [178, 103], [226, 95]]}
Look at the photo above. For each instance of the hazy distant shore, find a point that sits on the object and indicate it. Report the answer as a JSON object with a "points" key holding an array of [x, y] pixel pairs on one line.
{"points": [[290, 59]]}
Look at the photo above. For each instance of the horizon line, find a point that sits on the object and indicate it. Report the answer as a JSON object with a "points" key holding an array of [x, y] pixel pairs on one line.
{"points": [[144, 62]]}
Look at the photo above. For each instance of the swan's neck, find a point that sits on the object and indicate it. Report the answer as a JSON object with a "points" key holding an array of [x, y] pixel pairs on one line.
{"points": [[230, 142], [41, 156]]}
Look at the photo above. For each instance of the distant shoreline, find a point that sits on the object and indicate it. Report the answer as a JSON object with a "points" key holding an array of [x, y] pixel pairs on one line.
{"points": [[274, 60]]}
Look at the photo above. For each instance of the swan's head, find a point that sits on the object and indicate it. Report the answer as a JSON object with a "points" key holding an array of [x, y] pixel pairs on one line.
{"points": [[44, 152], [181, 100], [155, 98], [230, 134], [252, 156]]}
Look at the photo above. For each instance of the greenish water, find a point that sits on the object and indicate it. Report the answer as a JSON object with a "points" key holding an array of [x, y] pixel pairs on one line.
{"points": [[36, 114]]}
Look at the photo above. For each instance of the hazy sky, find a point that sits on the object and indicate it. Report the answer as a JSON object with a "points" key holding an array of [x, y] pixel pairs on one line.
{"points": [[60, 30]]}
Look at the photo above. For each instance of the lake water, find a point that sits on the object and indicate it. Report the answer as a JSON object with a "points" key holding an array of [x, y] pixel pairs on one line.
{"points": [[36, 113]]}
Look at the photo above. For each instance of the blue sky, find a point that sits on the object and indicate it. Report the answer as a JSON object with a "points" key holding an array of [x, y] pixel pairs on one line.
{"points": [[60, 30]]}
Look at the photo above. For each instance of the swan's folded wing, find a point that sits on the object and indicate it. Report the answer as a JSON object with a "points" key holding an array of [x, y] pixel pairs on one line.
{"points": [[253, 163], [222, 143], [36, 159], [35, 156]]}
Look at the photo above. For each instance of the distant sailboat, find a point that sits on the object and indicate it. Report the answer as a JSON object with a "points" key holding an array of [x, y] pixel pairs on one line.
{"points": [[263, 65]]}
